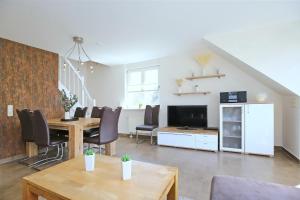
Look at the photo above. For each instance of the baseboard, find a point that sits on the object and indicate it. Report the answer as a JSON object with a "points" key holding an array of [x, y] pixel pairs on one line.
{"points": [[11, 159], [289, 154]]}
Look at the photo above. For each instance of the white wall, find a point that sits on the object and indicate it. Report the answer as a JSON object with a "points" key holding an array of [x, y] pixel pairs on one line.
{"points": [[291, 125], [107, 86], [272, 51]]}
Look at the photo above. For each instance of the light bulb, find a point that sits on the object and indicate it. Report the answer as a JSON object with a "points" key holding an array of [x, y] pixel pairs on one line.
{"points": [[82, 63], [65, 64], [92, 71], [91, 67]]}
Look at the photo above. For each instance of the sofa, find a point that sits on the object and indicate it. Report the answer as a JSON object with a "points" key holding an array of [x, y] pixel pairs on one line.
{"points": [[234, 188]]}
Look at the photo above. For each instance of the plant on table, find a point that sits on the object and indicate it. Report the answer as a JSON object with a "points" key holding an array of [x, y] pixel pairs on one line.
{"points": [[68, 101], [126, 167], [89, 159]]}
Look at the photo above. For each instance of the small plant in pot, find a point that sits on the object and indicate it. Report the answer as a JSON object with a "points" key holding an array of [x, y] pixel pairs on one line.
{"points": [[68, 102], [126, 167], [89, 157]]}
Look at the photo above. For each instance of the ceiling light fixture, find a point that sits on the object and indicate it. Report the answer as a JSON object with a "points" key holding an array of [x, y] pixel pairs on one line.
{"points": [[81, 53]]}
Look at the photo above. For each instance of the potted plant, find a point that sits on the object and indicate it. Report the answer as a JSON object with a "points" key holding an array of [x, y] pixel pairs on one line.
{"points": [[89, 157], [68, 102], [126, 167]]}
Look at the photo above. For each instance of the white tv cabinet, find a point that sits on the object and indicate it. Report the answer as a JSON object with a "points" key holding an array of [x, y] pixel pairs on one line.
{"points": [[193, 139]]}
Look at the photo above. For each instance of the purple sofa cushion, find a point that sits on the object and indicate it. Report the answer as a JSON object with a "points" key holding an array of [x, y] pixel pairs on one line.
{"points": [[234, 188]]}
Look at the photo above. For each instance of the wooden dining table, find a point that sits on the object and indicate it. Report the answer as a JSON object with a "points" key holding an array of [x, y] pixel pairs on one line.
{"points": [[75, 129], [70, 181]]}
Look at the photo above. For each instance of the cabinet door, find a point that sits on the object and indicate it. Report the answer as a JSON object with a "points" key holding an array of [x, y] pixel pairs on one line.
{"points": [[259, 129], [176, 139], [232, 127]]}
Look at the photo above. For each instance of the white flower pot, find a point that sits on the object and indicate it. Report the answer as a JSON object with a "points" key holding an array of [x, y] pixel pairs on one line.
{"points": [[89, 162], [67, 115], [126, 170]]}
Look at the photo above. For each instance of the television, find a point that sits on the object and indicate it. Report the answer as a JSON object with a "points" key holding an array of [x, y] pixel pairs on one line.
{"points": [[190, 116]]}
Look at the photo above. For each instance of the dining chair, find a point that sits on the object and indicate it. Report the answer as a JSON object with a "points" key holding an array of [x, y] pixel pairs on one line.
{"points": [[108, 128], [44, 137], [80, 112], [151, 121], [97, 112]]}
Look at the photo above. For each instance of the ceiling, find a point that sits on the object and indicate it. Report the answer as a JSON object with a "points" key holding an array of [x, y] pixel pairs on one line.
{"points": [[128, 31]]}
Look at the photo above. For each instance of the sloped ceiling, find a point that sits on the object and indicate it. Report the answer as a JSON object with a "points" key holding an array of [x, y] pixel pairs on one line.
{"points": [[271, 54], [128, 31]]}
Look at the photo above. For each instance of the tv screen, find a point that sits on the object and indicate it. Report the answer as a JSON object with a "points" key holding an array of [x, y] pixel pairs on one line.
{"points": [[191, 116]]}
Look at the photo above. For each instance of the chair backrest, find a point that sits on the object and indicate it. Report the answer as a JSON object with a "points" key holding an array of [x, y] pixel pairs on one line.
{"points": [[97, 112], [151, 115], [80, 112], [148, 115], [40, 129], [25, 117], [109, 125], [155, 115]]}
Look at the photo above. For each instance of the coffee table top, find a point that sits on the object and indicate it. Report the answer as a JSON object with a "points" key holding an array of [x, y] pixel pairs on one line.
{"points": [[69, 180]]}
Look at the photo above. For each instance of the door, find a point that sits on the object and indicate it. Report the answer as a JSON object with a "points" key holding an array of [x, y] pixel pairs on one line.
{"points": [[232, 127], [259, 129]]}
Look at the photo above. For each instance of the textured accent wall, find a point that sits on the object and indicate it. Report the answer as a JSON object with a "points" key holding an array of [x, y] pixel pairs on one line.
{"points": [[28, 79]]}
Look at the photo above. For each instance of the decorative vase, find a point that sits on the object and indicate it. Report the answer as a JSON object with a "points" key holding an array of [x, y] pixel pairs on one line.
{"points": [[126, 170], [89, 162], [67, 115]]}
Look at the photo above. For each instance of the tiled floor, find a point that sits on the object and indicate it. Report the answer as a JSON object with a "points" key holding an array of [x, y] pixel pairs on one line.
{"points": [[196, 168]]}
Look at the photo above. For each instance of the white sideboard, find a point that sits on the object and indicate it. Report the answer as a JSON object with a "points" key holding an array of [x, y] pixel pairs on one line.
{"points": [[247, 128], [193, 139]]}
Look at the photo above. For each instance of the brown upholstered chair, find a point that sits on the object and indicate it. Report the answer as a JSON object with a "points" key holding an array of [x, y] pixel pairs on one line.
{"points": [[151, 121], [97, 112], [108, 128], [26, 124], [44, 138], [80, 112]]}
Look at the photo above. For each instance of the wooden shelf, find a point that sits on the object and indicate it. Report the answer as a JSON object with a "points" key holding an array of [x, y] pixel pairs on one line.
{"points": [[190, 93], [207, 76]]}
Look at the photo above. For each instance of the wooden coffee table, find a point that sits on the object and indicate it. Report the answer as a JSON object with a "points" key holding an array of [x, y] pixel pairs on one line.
{"points": [[69, 180]]}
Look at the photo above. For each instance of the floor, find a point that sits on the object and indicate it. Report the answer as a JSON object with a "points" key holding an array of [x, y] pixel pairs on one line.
{"points": [[196, 168]]}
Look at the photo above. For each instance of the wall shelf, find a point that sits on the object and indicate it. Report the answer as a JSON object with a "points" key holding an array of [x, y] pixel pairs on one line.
{"points": [[203, 77], [191, 93]]}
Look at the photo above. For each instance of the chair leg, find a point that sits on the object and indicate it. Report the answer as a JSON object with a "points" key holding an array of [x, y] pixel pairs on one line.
{"points": [[47, 160], [57, 158], [136, 136], [100, 149], [151, 137]]}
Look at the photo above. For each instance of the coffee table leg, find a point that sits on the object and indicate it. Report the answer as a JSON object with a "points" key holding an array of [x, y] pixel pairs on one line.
{"points": [[75, 141], [173, 193], [31, 149], [27, 194], [110, 149]]}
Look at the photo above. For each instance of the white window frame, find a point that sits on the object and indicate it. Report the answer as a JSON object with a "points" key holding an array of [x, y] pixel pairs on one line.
{"points": [[142, 70]]}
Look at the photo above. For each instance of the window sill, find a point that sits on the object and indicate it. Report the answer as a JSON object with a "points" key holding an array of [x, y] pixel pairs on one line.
{"points": [[134, 109]]}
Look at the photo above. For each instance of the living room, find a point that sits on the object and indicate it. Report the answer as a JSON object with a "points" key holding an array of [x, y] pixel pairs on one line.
{"points": [[208, 102]]}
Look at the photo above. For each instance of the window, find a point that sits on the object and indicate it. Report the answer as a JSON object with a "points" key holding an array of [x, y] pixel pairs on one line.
{"points": [[142, 87]]}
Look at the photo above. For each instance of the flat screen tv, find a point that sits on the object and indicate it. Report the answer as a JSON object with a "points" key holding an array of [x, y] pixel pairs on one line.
{"points": [[193, 116]]}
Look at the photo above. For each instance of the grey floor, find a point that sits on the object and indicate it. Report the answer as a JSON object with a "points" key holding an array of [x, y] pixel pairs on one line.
{"points": [[196, 168]]}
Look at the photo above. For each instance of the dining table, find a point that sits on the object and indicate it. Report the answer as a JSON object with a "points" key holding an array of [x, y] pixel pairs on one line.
{"points": [[75, 136]]}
